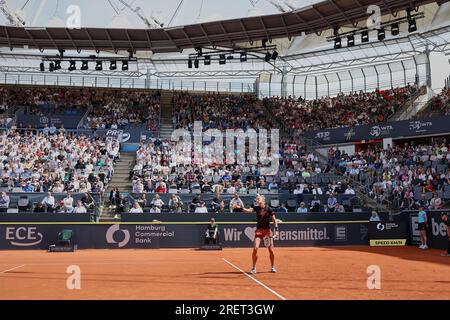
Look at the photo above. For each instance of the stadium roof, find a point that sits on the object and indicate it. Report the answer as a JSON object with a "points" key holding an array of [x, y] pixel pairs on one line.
{"points": [[312, 19]]}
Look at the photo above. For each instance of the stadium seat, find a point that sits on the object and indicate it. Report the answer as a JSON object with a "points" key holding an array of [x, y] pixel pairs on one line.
{"points": [[65, 237], [23, 203], [274, 203]]}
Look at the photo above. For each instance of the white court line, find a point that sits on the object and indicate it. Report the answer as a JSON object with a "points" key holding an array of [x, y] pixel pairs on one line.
{"points": [[5, 271], [257, 281]]}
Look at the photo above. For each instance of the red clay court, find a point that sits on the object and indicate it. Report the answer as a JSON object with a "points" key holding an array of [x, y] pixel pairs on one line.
{"points": [[303, 273]]}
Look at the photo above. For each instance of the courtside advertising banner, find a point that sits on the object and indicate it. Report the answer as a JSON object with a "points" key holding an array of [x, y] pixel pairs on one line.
{"points": [[436, 230], [387, 234], [122, 236]]}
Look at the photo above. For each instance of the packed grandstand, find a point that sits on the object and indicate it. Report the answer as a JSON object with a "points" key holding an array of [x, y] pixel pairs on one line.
{"points": [[360, 128], [63, 163]]}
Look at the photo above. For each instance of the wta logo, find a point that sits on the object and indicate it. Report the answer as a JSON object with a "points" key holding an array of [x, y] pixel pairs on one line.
{"points": [[112, 238]]}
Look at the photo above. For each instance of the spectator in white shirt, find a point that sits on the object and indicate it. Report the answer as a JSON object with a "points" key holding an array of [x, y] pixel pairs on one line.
{"points": [[49, 202], [236, 204], [79, 208], [349, 190], [4, 202], [136, 208], [317, 190], [201, 208], [68, 203], [374, 216], [299, 189], [157, 202], [302, 208]]}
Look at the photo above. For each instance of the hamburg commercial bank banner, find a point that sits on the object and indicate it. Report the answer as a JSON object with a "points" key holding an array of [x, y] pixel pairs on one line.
{"points": [[123, 236]]}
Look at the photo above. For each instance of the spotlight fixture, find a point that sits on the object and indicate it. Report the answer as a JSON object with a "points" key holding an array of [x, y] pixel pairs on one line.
{"points": [[124, 65], [350, 41], [207, 60], [42, 67], [365, 36], [274, 55], [51, 67], [337, 43], [412, 25], [395, 29], [72, 65], [84, 65], [222, 59], [230, 57], [268, 57], [381, 34], [113, 65], [57, 65], [243, 56], [196, 64], [99, 66], [190, 63], [199, 51]]}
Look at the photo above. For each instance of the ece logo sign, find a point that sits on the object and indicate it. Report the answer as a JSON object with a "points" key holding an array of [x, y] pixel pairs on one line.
{"points": [[23, 236]]}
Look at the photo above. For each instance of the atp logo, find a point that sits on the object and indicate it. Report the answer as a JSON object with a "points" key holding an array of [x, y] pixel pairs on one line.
{"points": [[114, 229], [380, 226]]}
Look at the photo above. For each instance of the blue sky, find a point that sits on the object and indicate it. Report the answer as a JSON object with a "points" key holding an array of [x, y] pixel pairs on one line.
{"points": [[99, 13]]}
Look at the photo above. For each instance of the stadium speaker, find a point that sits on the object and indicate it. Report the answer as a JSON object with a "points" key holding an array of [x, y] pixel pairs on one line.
{"points": [[395, 29], [99, 66], [51, 67], [124, 65], [381, 34], [243, 56], [222, 59], [72, 65], [337, 43], [268, 57], [57, 65], [196, 63], [84, 65], [274, 55], [230, 57], [113, 65], [365, 36], [351, 41], [42, 67], [207, 61], [190, 64]]}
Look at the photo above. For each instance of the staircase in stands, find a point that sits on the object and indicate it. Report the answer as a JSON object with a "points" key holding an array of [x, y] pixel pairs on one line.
{"points": [[166, 123], [120, 179]]}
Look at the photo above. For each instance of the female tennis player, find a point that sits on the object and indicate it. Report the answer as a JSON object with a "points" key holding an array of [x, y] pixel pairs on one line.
{"points": [[264, 215]]}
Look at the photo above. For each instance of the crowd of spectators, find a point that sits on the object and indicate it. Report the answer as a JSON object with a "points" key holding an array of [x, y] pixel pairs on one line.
{"points": [[219, 111], [116, 109], [357, 108], [439, 105], [404, 177], [39, 162]]}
